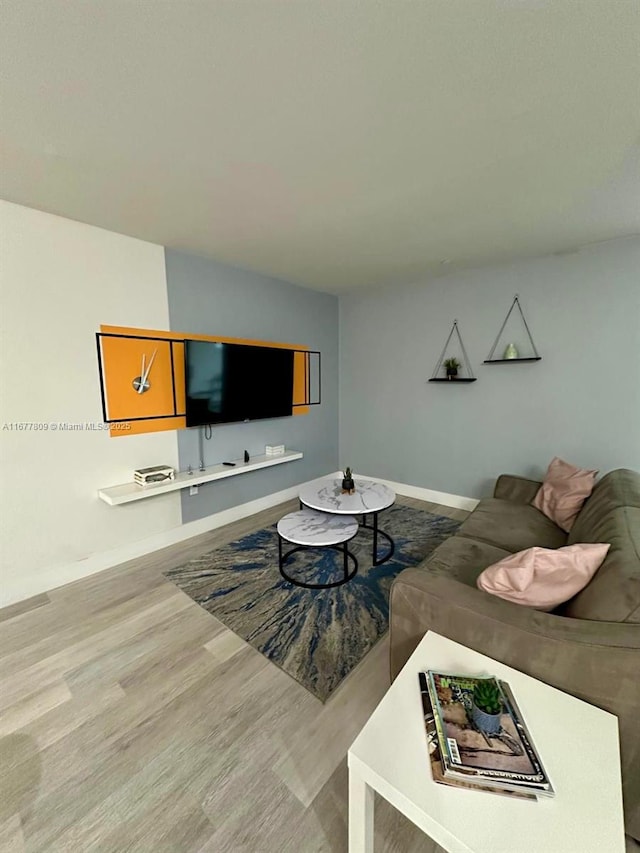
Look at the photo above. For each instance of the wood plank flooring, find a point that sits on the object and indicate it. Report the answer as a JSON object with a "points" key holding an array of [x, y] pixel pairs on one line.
{"points": [[133, 720]]}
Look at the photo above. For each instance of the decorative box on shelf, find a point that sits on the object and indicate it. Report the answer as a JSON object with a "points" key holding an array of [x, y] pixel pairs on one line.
{"points": [[274, 449], [154, 474]]}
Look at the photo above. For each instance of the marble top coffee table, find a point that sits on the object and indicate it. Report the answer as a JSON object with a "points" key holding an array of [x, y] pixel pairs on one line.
{"points": [[309, 528], [369, 498]]}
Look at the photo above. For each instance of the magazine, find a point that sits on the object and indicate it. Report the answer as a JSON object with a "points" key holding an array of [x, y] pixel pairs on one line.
{"points": [[435, 758], [505, 758]]}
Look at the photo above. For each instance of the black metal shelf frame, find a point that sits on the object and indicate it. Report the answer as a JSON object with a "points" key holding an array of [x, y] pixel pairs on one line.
{"points": [[509, 360]]}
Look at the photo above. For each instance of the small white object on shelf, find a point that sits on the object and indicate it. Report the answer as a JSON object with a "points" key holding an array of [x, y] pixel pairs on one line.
{"points": [[274, 449], [128, 492], [154, 474]]}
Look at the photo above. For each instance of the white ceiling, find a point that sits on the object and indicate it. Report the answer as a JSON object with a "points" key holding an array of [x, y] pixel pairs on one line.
{"points": [[332, 143]]}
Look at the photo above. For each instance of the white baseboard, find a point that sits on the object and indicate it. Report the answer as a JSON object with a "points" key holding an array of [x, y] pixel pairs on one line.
{"points": [[56, 576], [422, 494]]}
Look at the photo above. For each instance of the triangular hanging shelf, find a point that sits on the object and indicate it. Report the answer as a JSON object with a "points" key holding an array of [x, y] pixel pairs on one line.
{"points": [[513, 358], [466, 363]]}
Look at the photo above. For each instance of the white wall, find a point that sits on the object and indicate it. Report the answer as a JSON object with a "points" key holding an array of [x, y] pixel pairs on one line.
{"points": [[581, 402], [59, 281]]}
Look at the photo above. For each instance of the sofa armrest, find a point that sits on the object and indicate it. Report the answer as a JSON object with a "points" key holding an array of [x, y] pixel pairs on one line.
{"points": [[595, 661], [511, 488], [422, 602]]}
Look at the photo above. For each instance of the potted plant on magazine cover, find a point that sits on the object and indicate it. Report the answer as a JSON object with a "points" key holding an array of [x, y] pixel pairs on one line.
{"points": [[487, 707]]}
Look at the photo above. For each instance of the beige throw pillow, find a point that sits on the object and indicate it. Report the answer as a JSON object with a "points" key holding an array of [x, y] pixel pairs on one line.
{"points": [[564, 490], [543, 578]]}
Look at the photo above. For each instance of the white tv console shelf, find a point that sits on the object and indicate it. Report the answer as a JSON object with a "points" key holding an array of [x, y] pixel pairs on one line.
{"points": [[128, 492]]}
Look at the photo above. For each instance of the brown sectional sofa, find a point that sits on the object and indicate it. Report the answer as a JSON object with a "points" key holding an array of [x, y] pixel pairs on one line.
{"points": [[589, 647]]}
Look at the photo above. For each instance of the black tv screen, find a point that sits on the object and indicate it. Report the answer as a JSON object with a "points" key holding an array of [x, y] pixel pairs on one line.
{"points": [[227, 383]]}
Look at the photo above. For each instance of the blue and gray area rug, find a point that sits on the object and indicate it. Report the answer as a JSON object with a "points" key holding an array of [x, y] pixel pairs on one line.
{"points": [[315, 636]]}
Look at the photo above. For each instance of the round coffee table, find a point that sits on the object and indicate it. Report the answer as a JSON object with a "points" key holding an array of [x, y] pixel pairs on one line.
{"points": [[369, 498], [308, 528]]}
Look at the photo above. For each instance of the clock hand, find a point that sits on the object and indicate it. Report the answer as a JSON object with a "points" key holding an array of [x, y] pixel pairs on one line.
{"points": [[141, 385], [146, 374]]}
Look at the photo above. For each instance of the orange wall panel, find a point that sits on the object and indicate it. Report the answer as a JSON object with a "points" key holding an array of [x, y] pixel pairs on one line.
{"points": [[179, 376], [300, 390], [153, 410], [122, 360]]}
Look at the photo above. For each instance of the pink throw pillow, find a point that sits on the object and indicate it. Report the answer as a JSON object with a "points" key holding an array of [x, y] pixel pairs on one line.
{"points": [[564, 490], [543, 577]]}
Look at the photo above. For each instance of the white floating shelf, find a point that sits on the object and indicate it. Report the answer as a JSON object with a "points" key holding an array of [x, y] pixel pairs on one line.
{"points": [[128, 492]]}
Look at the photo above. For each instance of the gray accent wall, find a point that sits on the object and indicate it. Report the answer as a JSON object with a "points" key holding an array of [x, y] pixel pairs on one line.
{"points": [[210, 298], [581, 402]]}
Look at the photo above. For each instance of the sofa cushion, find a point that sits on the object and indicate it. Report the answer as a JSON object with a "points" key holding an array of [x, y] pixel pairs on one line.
{"points": [[613, 595], [563, 492], [512, 526], [510, 487], [543, 578], [616, 489], [463, 559]]}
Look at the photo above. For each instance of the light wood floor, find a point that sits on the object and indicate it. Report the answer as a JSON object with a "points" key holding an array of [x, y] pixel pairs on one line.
{"points": [[133, 720]]}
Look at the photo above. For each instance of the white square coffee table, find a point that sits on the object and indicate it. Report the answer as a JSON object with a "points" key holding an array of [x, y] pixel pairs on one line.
{"points": [[577, 742]]}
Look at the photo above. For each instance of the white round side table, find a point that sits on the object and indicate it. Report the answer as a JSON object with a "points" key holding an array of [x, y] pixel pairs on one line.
{"points": [[309, 528]]}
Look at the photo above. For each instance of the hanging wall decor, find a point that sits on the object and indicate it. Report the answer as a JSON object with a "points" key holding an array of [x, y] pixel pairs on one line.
{"points": [[448, 369], [513, 351]]}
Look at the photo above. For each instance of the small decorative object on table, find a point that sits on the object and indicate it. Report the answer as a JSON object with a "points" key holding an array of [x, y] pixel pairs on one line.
{"points": [[451, 365], [511, 351], [487, 707], [348, 486]]}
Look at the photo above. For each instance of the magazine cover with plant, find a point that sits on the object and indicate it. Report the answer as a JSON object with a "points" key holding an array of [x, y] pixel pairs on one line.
{"points": [[435, 754], [479, 732]]}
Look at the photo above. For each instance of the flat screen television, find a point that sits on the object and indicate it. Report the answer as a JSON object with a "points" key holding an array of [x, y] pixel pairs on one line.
{"points": [[228, 383]]}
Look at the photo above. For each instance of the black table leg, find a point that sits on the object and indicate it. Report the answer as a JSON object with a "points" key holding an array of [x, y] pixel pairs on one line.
{"points": [[346, 556], [376, 533], [375, 537]]}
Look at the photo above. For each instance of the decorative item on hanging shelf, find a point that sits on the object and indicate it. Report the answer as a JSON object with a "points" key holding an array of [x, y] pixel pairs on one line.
{"points": [[153, 475], [274, 449], [451, 366]]}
